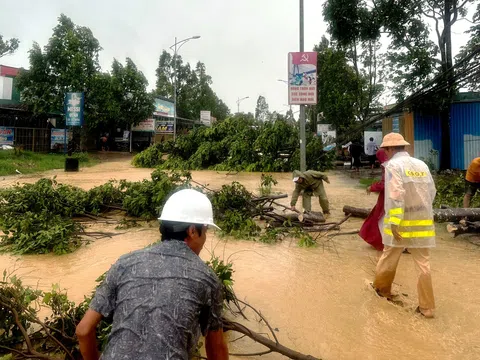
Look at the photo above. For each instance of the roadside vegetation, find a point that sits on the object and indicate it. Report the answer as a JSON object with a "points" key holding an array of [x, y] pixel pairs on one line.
{"points": [[28, 162]]}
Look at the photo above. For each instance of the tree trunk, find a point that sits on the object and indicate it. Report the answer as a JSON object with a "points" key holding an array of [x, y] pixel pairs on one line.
{"points": [[456, 214], [356, 212], [463, 228], [439, 215], [446, 49]]}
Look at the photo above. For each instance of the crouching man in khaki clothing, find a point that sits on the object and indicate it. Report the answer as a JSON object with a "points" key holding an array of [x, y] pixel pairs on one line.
{"points": [[408, 221]]}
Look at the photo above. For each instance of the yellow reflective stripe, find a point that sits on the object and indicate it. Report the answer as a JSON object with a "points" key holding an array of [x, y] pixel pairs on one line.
{"points": [[396, 211], [394, 220], [412, 234], [408, 222], [416, 223]]}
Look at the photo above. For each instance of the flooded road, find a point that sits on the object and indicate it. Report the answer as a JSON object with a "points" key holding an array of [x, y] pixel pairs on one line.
{"points": [[318, 299]]}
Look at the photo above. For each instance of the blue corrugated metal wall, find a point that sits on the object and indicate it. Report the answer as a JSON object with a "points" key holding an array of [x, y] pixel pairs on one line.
{"points": [[428, 136], [464, 134]]}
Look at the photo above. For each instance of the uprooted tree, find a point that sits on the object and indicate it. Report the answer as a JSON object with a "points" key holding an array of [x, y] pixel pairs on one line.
{"points": [[49, 217], [239, 143]]}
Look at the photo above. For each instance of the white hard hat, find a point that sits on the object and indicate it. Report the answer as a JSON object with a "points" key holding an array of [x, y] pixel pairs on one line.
{"points": [[188, 206]]}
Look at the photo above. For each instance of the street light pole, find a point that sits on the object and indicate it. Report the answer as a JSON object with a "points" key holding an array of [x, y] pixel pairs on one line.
{"points": [[175, 91], [239, 101], [175, 52], [303, 155]]}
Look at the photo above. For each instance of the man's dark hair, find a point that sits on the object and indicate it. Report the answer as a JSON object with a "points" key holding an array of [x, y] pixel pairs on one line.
{"points": [[172, 230], [371, 139]]}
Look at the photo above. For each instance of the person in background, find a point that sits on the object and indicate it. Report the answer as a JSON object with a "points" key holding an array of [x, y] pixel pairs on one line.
{"points": [[163, 297], [408, 221], [472, 181], [310, 183], [356, 152], [104, 142], [371, 150], [373, 225]]}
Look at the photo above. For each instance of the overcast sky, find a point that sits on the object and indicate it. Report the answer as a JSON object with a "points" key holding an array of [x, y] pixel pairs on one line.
{"points": [[244, 44]]}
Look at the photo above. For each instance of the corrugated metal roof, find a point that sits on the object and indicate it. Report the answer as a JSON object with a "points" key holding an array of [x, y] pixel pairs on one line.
{"points": [[428, 138], [464, 134]]}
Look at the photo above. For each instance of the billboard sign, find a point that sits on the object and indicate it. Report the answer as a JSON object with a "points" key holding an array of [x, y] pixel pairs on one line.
{"points": [[302, 78], [7, 135], [145, 125], [206, 117], [57, 138], [74, 109], [396, 124], [164, 108], [164, 127]]}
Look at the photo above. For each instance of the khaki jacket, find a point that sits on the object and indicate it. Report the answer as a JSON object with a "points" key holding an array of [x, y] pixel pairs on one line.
{"points": [[313, 181]]}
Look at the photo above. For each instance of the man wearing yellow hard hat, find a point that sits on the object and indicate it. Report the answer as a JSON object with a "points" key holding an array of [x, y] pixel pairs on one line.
{"points": [[408, 221]]}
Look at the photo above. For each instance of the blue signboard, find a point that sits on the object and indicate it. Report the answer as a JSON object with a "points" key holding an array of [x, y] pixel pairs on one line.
{"points": [[164, 108], [164, 127], [74, 109], [57, 139], [7, 135]]}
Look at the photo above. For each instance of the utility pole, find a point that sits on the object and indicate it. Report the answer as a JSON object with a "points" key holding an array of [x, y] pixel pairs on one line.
{"points": [[175, 91], [303, 154]]}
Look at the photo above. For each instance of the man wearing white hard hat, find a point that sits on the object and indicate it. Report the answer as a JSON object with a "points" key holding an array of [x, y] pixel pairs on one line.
{"points": [[163, 297], [408, 221]]}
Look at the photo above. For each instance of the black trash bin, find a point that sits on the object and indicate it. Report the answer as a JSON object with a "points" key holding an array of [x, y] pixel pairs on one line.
{"points": [[71, 164]]}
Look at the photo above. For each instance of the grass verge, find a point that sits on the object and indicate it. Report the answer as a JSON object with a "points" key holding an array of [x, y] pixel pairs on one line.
{"points": [[366, 182], [29, 162]]}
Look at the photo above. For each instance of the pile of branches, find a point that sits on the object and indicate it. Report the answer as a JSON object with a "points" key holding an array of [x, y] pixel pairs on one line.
{"points": [[23, 335], [44, 217], [236, 211]]}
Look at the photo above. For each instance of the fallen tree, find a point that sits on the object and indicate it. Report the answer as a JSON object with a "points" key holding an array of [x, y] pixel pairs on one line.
{"points": [[463, 227], [356, 212], [439, 215]]}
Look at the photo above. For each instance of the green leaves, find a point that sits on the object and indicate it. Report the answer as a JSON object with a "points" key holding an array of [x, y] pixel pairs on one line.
{"points": [[194, 92], [451, 189], [37, 218], [238, 143], [261, 111], [69, 62], [8, 47]]}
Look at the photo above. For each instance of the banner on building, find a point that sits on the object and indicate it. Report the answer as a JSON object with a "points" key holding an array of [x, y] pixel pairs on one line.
{"points": [[57, 138], [206, 117], [302, 78], [7, 135], [145, 125], [164, 127], [164, 108], [74, 109]]}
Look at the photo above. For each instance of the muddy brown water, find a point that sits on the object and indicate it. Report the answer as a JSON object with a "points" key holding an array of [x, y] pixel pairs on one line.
{"points": [[318, 299]]}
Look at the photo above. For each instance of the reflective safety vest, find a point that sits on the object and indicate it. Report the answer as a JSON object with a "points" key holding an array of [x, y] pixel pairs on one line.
{"points": [[409, 195]]}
